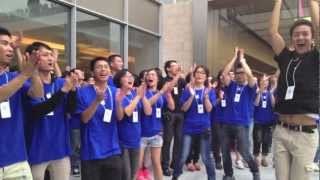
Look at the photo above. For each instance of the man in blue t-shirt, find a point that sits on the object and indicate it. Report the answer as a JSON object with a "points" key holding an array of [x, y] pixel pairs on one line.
{"points": [[238, 113], [96, 104], [13, 156], [47, 123], [116, 64]]}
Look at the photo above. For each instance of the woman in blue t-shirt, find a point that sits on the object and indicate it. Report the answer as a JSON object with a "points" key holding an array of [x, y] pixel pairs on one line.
{"points": [[152, 124], [263, 120], [130, 106], [197, 102]]}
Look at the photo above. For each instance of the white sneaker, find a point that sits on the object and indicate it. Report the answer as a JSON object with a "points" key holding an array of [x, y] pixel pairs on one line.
{"points": [[312, 167], [239, 164]]}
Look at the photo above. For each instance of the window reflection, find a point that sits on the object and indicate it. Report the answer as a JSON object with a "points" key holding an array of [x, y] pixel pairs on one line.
{"points": [[38, 20]]}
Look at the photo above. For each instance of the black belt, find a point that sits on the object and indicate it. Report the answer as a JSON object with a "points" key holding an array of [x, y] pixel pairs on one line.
{"points": [[300, 128]]}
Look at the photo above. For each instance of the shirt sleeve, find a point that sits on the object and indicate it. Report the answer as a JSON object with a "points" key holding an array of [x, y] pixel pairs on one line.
{"points": [[213, 97], [184, 97]]}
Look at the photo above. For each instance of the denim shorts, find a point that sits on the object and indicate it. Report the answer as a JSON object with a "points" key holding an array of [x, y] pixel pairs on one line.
{"points": [[153, 141]]}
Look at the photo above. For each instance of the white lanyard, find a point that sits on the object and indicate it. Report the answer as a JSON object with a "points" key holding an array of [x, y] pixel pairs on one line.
{"points": [[111, 99], [294, 72], [201, 97]]}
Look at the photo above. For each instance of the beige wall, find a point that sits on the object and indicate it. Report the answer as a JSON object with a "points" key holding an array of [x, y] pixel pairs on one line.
{"points": [[177, 33], [223, 38], [177, 39]]}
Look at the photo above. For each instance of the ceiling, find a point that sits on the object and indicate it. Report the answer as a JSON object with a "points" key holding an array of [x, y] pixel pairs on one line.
{"points": [[255, 14]]}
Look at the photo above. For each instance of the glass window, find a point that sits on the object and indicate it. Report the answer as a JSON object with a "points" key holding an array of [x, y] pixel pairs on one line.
{"points": [[144, 13], [38, 20], [96, 37], [113, 8], [143, 51]]}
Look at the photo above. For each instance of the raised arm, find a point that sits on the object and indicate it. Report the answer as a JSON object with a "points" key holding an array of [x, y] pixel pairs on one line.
{"points": [[276, 40], [228, 68], [252, 81], [14, 85], [91, 110], [314, 9]]}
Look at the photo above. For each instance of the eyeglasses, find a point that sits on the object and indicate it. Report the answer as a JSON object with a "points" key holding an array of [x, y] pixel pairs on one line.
{"points": [[241, 72], [200, 72]]}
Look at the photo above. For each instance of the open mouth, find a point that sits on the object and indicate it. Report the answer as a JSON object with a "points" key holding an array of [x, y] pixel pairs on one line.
{"points": [[9, 55], [130, 82], [150, 81], [301, 45]]}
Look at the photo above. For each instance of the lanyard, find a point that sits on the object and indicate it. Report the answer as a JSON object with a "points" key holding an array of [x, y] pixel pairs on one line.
{"points": [[200, 98], [7, 79], [159, 101], [52, 92], [239, 90], [111, 99], [294, 71]]}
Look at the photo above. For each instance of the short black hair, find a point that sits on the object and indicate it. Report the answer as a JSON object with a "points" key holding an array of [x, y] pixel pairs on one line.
{"points": [[112, 57], [95, 60], [4, 31], [118, 76], [301, 22], [36, 46], [167, 64]]}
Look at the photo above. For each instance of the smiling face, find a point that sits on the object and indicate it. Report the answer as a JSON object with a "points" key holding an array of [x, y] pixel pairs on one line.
{"points": [[152, 79], [302, 39], [6, 50], [200, 75], [46, 60], [117, 64], [127, 81], [101, 71]]}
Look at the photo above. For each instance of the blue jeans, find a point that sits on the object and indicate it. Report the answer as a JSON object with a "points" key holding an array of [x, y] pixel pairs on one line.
{"points": [[241, 133], [205, 148]]}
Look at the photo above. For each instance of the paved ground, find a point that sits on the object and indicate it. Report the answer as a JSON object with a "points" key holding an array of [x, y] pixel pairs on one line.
{"points": [[267, 173]]}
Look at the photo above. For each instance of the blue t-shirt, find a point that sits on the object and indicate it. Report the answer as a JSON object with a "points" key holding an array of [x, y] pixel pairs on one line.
{"points": [[49, 135], [130, 131], [151, 125], [263, 113], [99, 139], [12, 142], [217, 114], [194, 122], [110, 81], [239, 113]]}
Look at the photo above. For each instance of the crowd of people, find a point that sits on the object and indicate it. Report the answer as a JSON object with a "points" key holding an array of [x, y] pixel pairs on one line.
{"points": [[107, 125]]}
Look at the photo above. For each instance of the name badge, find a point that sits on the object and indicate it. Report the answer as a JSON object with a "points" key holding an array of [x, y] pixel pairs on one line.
{"points": [[289, 93], [50, 114], [197, 96], [107, 115], [135, 118], [158, 113], [5, 110], [237, 98], [200, 109], [264, 104], [223, 103], [175, 90], [48, 95]]}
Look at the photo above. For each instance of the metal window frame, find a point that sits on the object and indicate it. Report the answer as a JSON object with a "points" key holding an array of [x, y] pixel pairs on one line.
{"points": [[124, 23]]}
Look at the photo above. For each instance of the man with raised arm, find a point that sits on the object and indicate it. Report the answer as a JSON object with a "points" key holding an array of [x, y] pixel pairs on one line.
{"points": [[295, 137]]}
